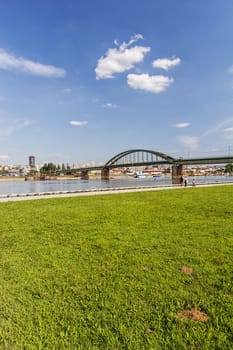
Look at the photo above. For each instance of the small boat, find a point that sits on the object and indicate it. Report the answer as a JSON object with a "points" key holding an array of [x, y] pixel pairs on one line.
{"points": [[140, 175]]}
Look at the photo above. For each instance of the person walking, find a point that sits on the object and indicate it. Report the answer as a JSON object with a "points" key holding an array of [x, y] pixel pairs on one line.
{"points": [[181, 180]]}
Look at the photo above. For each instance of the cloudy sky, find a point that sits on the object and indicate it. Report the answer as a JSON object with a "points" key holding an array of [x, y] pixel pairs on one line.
{"points": [[81, 80]]}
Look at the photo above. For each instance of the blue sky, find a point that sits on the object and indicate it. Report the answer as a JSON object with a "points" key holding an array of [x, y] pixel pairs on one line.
{"points": [[81, 80]]}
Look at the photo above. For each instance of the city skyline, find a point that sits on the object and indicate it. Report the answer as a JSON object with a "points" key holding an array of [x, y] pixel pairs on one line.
{"points": [[82, 81]]}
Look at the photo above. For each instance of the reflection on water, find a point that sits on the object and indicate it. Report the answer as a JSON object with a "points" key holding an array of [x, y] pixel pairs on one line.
{"points": [[26, 187]]}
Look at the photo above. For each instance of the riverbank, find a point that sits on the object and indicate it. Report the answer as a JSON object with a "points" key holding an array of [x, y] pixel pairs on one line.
{"points": [[95, 192], [12, 178]]}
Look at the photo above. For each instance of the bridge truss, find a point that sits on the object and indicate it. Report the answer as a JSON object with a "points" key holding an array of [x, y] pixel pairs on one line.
{"points": [[137, 157]]}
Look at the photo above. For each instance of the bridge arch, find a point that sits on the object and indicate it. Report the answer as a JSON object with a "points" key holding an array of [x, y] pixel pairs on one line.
{"points": [[133, 156]]}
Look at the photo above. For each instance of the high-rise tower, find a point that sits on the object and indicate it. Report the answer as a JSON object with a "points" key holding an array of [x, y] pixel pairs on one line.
{"points": [[32, 162]]}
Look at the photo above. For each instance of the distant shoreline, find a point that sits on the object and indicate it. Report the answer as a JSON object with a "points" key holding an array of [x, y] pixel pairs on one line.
{"points": [[22, 178], [12, 178]]}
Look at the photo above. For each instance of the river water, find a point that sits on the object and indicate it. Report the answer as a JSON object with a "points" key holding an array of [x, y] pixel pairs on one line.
{"points": [[27, 188]]}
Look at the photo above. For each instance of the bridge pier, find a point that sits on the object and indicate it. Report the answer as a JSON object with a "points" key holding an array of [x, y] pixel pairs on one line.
{"points": [[84, 175], [105, 174], [177, 172]]}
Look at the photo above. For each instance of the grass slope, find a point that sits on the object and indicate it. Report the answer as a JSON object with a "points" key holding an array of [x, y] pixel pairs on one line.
{"points": [[103, 272]]}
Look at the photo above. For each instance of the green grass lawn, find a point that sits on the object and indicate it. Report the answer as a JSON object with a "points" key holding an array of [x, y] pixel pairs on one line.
{"points": [[103, 272]]}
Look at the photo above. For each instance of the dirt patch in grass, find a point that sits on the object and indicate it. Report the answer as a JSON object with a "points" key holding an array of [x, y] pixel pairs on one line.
{"points": [[193, 314], [146, 268], [187, 270]]}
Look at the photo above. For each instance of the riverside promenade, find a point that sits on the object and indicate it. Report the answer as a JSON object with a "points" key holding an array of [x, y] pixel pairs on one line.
{"points": [[95, 192]]}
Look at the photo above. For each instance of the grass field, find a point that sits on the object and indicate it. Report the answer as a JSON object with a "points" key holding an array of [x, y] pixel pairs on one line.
{"points": [[104, 272]]}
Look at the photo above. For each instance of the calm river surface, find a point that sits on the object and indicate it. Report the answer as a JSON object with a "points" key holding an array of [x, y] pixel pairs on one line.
{"points": [[19, 187]]}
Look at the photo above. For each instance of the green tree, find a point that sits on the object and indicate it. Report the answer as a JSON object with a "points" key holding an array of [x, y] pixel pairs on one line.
{"points": [[167, 170], [229, 168], [48, 168]]}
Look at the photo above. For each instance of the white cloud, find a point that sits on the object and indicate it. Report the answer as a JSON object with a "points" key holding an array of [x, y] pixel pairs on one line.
{"points": [[228, 133], [109, 105], [166, 63], [191, 142], [133, 39], [120, 59], [230, 69], [10, 128], [11, 62], [4, 157], [181, 125], [78, 122], [154, 83], [67, 91], [217, 128]]}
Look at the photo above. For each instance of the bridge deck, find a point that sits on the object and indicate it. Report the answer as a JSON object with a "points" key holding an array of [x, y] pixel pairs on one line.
{"points": [[184, 161]]}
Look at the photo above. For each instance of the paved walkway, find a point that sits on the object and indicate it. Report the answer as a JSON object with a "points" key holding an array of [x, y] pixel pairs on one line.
{"points": [[36, 196]]}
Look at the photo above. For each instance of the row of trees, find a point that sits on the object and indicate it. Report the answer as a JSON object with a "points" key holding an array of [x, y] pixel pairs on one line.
{"points": [[51, 168]]}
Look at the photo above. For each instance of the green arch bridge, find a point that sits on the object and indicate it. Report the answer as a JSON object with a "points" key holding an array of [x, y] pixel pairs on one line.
{"points": [[144, 157]]}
